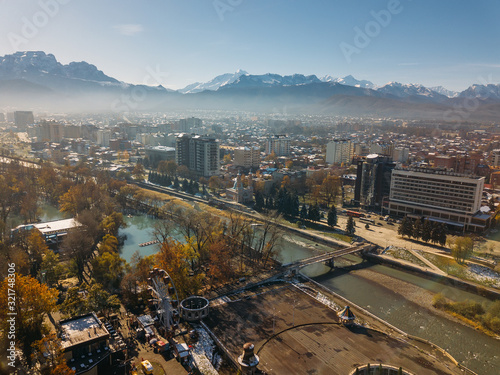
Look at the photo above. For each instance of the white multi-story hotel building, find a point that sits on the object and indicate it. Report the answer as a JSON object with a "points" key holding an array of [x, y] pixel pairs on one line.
{"points": [[438, 195]]}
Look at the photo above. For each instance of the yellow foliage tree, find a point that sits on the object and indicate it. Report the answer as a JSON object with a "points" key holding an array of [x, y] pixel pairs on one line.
{"points": [[174, 257], [33, 301]]}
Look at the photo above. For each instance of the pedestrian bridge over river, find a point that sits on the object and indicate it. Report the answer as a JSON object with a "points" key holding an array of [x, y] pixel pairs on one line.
{"points": [[328, 258]]}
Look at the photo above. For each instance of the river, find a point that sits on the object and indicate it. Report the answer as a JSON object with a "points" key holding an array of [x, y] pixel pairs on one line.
{"points": [[473, 349]]}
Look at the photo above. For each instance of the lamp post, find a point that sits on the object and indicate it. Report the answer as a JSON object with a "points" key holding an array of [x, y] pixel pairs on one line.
{"points": [[293, 316], [274, 318]]}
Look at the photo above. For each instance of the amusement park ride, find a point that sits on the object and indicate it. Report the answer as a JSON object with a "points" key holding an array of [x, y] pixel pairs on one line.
{"points": [[165, 299]]}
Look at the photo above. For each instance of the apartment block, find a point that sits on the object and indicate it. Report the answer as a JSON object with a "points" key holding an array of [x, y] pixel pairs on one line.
{"points": [[247, 157], [373, 180], [200, 154], [279, 144], [22, 119], [339, 151]]}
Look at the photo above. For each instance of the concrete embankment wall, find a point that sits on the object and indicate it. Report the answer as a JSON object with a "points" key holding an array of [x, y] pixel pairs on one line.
{"points": [[450, 280]]}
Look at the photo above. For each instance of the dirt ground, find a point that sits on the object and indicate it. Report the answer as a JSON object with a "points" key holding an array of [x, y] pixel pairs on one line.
{"points": [[293, 333]]}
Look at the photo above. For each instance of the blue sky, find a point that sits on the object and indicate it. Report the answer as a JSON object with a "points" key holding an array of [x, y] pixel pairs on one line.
{"points": [[453, 43]]}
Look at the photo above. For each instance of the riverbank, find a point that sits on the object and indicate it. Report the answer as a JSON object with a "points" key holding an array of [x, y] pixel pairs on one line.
{"points": [[419, 296]]}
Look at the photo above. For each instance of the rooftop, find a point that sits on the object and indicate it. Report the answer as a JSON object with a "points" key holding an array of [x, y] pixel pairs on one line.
{"points": [[81, 329], [51, 226]]}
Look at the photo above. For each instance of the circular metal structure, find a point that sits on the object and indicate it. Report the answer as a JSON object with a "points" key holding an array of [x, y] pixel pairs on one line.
{"points": [[194, 308], [164, 296]]}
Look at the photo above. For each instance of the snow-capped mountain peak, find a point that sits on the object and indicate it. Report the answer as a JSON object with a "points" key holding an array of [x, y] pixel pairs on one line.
{"points": [[30, 64], [214, 84], [444, 91], [328, 78], [351, 81], [490, 91], [404, 90]]}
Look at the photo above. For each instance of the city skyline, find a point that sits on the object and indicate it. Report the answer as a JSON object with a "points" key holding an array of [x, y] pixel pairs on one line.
{"points": [[449, 43]]}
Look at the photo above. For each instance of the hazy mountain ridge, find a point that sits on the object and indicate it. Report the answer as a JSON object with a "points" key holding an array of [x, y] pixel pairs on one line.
{"points": [[38, 80], [32, 63]]}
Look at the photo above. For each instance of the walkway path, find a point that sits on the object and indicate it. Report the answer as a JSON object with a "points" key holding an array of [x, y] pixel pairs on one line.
{"points": [[435, 268]]}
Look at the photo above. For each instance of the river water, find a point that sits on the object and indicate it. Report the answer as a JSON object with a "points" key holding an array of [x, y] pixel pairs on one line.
{"points": [[473, 349]]}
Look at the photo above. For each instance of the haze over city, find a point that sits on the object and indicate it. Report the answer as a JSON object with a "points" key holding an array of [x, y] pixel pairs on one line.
{"points": [[445, 43]]}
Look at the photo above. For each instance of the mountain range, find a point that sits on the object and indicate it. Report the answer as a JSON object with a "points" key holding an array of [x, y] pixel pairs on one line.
{"points": [[37, 80]]}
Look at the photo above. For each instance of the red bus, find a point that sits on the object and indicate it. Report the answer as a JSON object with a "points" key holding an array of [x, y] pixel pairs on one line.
{"points": [[354, 214]]}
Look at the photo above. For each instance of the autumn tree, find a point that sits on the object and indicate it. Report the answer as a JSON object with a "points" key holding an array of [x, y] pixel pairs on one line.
{"points": [[112, 223], [10, 195], [138, 172], [214, 183], [183, 171], [47, 181], [33, 301], [198, 228], [221, 261], [174, 257], [330, 188], [268, 239], [81, 197], [79, 246], [36, 247], [168, 167], [49, 354]]}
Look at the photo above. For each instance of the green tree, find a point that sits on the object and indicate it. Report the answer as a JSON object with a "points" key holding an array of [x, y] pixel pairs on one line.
{"points": [[51, 269], [406, 227], [332, 216], [108, 269], [303, 212], [417, 229], [427, 231], [100, 300], [462, 249], [259, 201], [75, 302], [314, 214], [350, 228], [441, 234]]}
